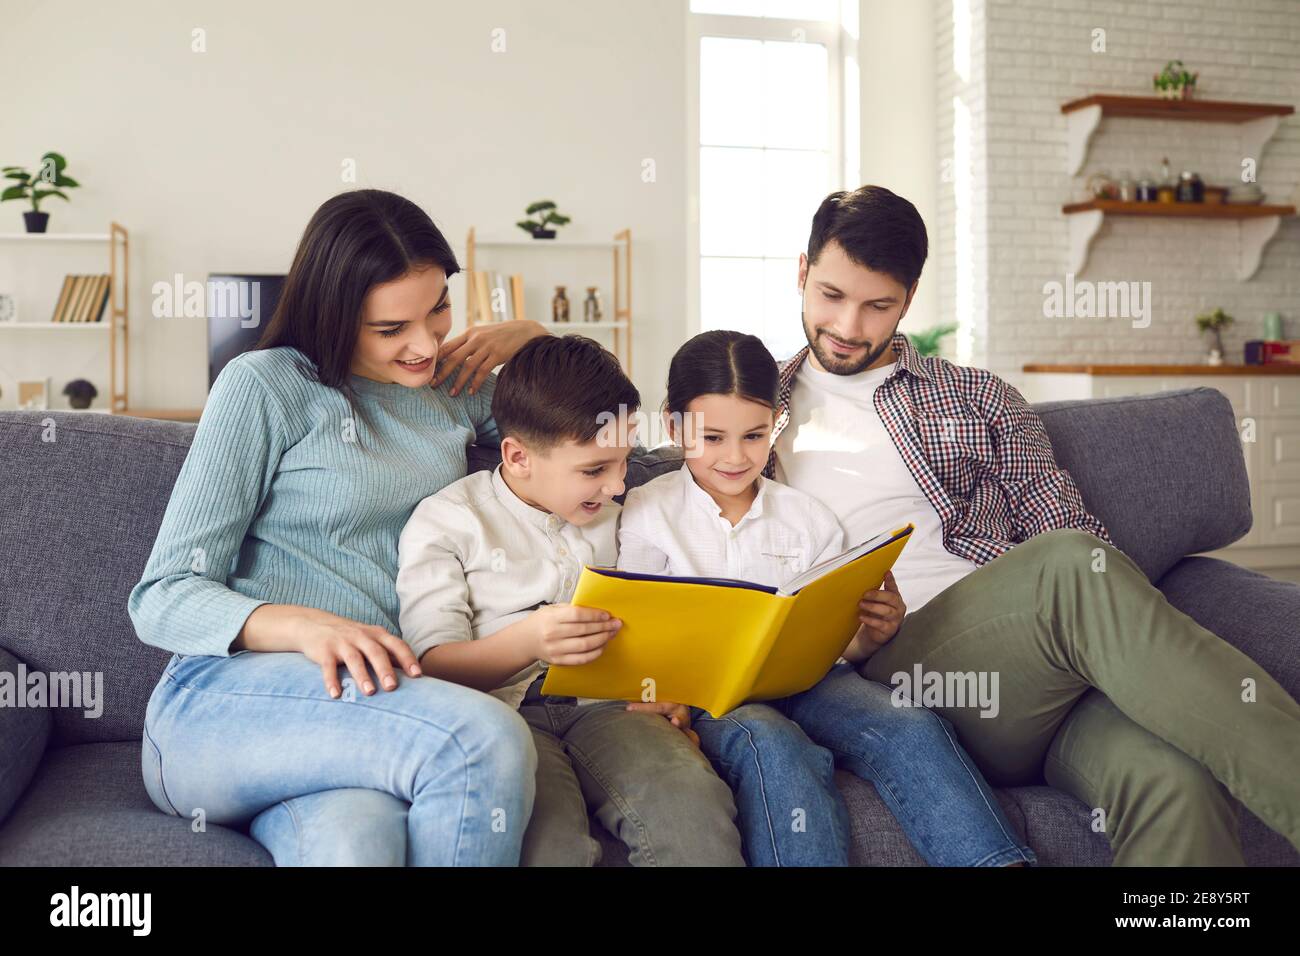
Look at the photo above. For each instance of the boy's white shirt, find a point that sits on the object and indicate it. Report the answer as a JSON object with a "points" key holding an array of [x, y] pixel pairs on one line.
{"points": [[672, 526], [474, 558]]}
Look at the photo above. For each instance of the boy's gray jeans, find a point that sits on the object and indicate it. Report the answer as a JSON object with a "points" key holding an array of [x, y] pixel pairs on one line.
{"points": [[644, 780]]}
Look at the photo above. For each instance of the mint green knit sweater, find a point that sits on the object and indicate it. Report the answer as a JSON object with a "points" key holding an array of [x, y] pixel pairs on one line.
{"points": [[275, 504]]}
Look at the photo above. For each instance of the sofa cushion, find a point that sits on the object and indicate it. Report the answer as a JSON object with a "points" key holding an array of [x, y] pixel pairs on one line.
{"points": [[81, 499], [24, 732], [1165, 473], [1258, 615], [87, 806]]}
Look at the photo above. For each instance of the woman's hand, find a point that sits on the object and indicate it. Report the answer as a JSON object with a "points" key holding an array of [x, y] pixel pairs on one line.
{"points": [[480, 349], [880, 615], [679, 715], [329, 640]]}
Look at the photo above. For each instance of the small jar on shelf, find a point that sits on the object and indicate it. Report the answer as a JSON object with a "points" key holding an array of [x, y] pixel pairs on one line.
{"points": [[560, 305], [591, 310]]}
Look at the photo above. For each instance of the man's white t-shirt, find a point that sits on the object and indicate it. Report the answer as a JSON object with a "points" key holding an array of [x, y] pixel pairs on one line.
{"points": [[836, 448]]}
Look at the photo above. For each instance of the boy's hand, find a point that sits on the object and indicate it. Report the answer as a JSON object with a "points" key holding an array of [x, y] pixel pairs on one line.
{"points": [[679, 715], [881, 614], [567, 635]]}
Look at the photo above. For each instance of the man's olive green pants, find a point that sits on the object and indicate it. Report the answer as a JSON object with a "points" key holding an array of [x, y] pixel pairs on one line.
{"points": [[1112, 695]]}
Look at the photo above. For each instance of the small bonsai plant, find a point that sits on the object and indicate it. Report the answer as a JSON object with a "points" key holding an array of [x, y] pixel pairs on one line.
{"points": [[547, 216], [1174, 82], [49, 180], [927, 342], [80, 393], [1214, 322]]}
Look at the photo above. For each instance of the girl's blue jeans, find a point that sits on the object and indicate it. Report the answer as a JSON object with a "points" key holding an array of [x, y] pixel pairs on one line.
{"points": [[779, 758]]}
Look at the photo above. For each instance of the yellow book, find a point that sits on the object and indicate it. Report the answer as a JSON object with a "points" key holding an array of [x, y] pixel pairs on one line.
{"points": [[716, 643]]}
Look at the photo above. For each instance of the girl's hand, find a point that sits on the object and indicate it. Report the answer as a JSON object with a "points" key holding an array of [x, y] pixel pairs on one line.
{"points": [[330, 640], [880, 615], [679, 715], [480, 349]]}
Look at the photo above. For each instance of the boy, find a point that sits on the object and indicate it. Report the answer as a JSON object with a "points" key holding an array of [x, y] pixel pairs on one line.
{"points": [[486, 568]]}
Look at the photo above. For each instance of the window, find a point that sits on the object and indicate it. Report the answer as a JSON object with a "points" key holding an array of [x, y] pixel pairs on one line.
{"points": [[767, 148]]}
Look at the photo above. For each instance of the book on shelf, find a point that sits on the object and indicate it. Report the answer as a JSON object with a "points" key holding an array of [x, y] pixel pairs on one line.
{"points": [[82, 299], [498, 297]]}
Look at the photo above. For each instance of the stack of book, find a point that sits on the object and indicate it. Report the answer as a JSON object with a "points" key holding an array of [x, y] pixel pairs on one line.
{"points": [[497, 297], [82, 299], [1260, 352]]}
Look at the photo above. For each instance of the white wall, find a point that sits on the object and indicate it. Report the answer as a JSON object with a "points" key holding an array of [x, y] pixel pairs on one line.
{"points": [[899, 125], [215, 161], [1033, 55]]}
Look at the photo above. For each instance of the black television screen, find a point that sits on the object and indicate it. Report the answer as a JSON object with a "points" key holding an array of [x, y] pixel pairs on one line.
{"points": [[238, 306]]}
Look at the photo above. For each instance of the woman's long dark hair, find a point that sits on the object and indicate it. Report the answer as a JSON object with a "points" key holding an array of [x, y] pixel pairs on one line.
{"points": [[354, 242], [722, 362]]}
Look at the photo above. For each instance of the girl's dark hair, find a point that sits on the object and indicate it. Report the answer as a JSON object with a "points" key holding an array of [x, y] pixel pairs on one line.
{"points": [[722, 362], [354, 242]]}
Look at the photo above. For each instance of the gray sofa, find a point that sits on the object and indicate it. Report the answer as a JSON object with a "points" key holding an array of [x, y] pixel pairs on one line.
{"points": [[78, 516]]}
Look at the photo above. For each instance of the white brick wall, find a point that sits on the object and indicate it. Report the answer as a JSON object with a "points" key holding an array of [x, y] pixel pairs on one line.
{"points": [[1030, 56]]}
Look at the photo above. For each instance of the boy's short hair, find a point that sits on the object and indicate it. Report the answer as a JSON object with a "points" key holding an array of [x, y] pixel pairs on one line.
{"points": [[557, 388]]}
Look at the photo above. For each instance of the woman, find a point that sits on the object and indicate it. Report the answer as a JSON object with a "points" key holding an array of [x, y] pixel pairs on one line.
{"points": [[276, 563]]}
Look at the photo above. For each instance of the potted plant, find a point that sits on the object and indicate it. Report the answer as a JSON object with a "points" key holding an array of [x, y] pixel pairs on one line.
{"points": [[80, 393], [48, 181], [927, 342], [1174, 82], [545, 210], [1214, 322]]}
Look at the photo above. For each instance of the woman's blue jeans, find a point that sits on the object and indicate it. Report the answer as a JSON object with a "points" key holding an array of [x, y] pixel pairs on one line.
{"points": [[429, 774], [780, 757]]}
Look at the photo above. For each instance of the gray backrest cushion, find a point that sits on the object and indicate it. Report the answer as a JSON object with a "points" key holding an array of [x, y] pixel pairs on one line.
{"points": [[80, 505], [1165, 473]]}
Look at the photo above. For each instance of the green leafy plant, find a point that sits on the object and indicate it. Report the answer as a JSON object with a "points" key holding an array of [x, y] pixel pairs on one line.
{"points": [[1175, 77], [49, 180], [1214, 322], [927, 342], [547, 216]]}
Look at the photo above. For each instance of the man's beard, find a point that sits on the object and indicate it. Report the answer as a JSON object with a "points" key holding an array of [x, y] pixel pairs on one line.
{"points": [[839, 366]]}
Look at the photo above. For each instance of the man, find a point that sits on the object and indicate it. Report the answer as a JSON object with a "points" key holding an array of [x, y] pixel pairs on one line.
{"points": [[1105, 688]]}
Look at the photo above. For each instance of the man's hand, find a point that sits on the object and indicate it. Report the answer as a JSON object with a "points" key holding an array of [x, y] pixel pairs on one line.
{"points": [[566, 635], [480, 349], [679, 715], [880, 615]]}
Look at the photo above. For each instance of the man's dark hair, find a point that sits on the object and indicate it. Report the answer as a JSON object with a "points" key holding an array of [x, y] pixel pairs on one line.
{"points": [[875, 228], [560, 388]]}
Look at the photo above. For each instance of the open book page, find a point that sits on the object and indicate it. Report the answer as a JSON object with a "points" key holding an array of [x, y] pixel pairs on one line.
{"points": [[831, 564]]}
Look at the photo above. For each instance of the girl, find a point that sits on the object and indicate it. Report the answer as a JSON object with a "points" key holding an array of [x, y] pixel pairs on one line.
{"points": [[276, 564], [719, 517]]}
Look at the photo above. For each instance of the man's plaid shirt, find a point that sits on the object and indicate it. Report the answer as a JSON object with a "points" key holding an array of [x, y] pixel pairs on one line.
{"points": [[975, 447]]}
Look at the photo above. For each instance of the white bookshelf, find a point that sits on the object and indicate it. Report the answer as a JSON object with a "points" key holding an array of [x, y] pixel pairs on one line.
{"points": [[117, 241]]}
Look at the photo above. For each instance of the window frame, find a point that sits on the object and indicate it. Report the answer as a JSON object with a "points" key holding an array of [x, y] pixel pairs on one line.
{"points": [[699, 25]]}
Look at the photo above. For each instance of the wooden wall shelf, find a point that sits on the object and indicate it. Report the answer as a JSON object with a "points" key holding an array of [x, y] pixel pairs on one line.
{"points": [[1258, 121], [1257, 224], [1180, 210]]}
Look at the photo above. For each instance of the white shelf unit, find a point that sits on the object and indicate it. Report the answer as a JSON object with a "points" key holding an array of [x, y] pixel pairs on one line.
{"points": [[118, 242], [620, 249]]}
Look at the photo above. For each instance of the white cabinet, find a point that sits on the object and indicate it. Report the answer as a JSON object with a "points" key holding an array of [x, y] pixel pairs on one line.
{"points": [[1268, 411]]}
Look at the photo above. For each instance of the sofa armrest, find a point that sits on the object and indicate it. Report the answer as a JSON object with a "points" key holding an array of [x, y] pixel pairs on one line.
{"points": [[1258, 615], [24, 732]]}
